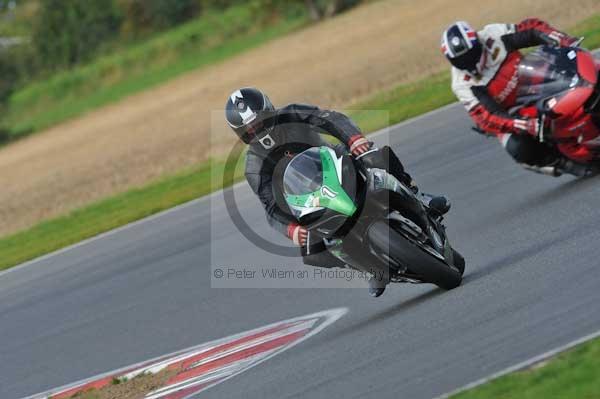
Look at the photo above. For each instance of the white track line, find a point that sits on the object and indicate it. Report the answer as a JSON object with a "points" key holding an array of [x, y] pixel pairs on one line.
{"points": [[520, 366]]}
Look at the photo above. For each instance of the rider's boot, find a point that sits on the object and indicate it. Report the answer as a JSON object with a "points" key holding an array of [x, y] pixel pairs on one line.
{"points": [[376, 286], [437, 205], [440, 205]]}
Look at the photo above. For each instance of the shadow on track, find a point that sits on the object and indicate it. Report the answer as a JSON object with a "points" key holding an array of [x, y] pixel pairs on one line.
{"points": [[509, 260], [514, 258], [539, 200], [393, 311], [561, 191]]}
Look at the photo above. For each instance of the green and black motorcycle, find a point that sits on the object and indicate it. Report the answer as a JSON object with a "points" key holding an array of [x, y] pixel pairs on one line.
{"points": [[367, 218]]}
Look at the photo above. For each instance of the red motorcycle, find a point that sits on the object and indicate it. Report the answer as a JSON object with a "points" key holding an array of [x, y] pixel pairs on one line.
{"points": [[561, 87]]}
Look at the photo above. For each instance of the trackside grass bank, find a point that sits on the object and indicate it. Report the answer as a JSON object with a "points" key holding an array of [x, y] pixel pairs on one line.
{"points": [[573, 374], [136, 67], [110, 213], [402, 102]]}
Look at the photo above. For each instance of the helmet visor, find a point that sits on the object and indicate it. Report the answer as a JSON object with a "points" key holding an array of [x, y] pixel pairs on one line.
{"points": [[470, 60], [249, 132], [255, 127]]}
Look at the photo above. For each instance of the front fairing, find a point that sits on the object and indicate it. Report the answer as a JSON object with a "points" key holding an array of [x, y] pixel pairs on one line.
{"points": [[556, 80], [319, 191]]}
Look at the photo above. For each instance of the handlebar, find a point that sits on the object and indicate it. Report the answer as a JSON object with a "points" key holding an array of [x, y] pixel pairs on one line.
{"points": [[578, 42]]}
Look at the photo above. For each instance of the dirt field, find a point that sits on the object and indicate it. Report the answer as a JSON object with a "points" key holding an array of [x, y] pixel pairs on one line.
{"points": [[168, 128]]}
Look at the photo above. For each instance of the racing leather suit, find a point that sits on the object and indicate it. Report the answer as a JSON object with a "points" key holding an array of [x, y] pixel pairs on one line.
{"points": [[296, 128], [488, 97]]}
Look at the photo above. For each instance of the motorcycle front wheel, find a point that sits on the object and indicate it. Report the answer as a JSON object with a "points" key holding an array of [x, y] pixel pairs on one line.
{"points": [[394, 245]]}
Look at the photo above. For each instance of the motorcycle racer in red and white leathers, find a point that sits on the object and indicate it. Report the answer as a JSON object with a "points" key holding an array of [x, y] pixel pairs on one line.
{"points": [[485, 80]]}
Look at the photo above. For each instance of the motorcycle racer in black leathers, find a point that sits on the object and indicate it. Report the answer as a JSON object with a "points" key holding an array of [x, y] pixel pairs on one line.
{"points": [[272, 134]]}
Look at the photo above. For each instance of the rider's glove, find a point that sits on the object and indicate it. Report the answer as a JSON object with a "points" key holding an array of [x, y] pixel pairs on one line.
{"points": [[559, 39], [527, 126], [358, 144], [372, 159], [298, 234]]}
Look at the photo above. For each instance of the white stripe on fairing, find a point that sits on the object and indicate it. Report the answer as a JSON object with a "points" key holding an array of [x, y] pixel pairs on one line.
{"points": [[504, 138], [329, 317], [520, 366]]}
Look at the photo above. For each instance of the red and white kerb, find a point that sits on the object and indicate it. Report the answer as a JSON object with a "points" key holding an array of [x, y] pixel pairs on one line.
{"points": [[204, 366]]}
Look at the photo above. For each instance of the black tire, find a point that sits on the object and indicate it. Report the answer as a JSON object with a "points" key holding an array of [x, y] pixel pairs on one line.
{"points": [[399, 248]]}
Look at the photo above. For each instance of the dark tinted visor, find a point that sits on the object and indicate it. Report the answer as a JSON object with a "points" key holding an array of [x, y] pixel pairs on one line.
{"points": [[469, 60], [248, 132]]}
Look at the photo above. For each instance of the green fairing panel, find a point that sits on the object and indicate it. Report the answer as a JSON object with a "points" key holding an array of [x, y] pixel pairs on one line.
{"points": [[330, 195]]}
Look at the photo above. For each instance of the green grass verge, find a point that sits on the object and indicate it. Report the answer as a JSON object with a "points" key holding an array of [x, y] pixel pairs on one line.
{"points": [[113, 212], [590, 28], [403, 102], [400, 103], [574, 374], [207, 40]]}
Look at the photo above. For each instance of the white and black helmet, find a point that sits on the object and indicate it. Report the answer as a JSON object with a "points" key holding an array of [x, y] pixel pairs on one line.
{"points": [[463, 48], [249, 112]]}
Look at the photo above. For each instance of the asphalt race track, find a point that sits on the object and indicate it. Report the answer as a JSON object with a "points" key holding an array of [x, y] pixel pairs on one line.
{"points": [[532, 284]]}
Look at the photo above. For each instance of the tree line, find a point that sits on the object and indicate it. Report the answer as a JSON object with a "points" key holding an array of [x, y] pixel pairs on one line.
{"points": [[66, 33], [70, 31]]}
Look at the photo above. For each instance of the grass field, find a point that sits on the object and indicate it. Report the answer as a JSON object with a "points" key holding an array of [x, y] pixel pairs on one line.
{"points": [[207, 40], [214, 37], [111, 213], [574, 374], [402, 102], [165, 129]]}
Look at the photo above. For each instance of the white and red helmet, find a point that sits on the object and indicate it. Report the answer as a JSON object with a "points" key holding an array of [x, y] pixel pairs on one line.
{"points": [[462, 47]]}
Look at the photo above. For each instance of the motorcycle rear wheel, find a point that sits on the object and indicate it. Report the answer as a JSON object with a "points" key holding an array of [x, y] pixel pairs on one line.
{"points": [[419, 262]]}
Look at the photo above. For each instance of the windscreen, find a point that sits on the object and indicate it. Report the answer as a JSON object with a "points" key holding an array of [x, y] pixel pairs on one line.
{"points": [[304, 174], [545, 73]]}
